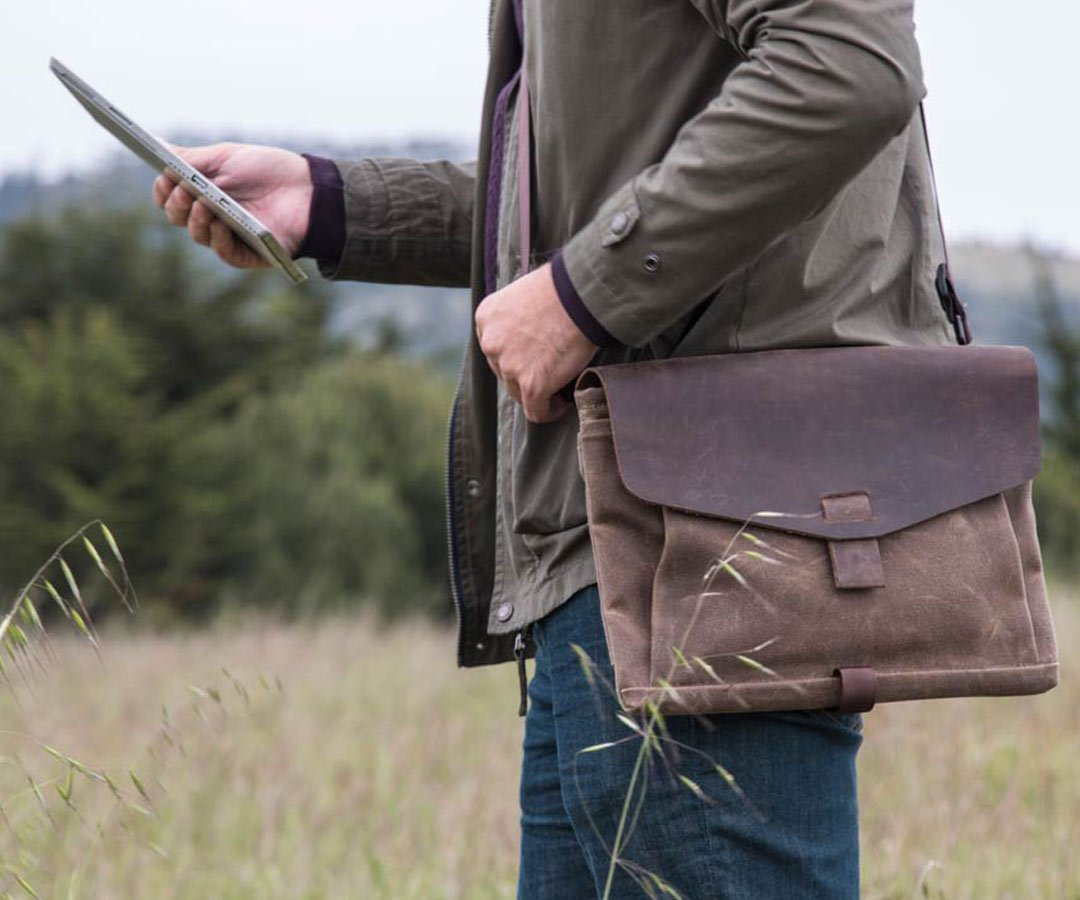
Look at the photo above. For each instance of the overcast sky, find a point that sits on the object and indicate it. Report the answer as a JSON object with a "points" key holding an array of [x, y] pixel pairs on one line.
{"points": [[1002, 78]]}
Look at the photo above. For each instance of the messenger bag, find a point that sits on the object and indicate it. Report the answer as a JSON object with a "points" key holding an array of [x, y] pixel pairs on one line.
{"points": [[799, 529]]}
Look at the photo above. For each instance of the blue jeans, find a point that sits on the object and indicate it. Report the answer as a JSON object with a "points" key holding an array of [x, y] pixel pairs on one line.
{"points": [[787, 829]]}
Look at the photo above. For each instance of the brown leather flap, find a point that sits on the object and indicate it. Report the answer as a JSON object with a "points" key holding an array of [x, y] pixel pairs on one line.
{"points": [[919, 430]]}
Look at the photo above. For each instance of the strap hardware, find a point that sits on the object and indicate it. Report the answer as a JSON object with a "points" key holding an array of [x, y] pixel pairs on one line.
{"points": [[953, 305], [858, 689]]}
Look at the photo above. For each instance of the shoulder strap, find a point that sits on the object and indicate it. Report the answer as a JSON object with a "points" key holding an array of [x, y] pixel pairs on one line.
{"points": [[946, 291], [933, 183]]}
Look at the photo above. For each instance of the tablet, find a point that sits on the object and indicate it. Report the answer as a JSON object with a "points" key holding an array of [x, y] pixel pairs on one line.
{"points": [[157, 155]]}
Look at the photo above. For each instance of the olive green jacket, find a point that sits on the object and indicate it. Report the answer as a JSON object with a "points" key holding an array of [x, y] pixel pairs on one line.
{"points": [[766, 156]]}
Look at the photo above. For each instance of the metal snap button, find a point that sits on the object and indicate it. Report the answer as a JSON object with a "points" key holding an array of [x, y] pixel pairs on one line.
{"points": [[472, 487], [504, 611], [651, 262], [619, 223]]}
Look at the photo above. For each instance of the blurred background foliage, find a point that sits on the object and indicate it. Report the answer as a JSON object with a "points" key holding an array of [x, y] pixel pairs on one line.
{"points": [[1057, 489], [241, 452], [256, 445]]}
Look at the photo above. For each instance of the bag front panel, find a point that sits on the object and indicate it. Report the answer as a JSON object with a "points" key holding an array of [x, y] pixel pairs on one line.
{"points": [[954, 599]]}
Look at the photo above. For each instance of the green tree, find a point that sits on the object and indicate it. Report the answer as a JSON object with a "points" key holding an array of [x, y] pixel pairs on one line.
{"points": [[118, 345], [1057, 489], [73, 442], [334, 491]]}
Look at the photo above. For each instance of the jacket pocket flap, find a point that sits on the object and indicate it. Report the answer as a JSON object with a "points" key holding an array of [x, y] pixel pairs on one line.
{"points": [[767, 436]]}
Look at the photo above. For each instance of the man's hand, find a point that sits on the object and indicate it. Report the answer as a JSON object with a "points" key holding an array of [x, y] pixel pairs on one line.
{"points": [[273, 185], [531, 344]]}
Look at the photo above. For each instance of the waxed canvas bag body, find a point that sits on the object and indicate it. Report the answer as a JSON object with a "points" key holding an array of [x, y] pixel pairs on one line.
{"points": [[799, 529]]}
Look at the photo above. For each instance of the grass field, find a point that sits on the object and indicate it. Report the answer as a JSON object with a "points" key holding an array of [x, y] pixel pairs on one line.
{"points": [[341, 760]]}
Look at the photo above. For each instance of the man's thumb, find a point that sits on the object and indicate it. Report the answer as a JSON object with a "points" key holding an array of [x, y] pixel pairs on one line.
{"points": [[207, 160]]}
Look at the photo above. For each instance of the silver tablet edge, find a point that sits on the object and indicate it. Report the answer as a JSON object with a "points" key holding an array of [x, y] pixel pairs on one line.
{"points": [[159, 157]]}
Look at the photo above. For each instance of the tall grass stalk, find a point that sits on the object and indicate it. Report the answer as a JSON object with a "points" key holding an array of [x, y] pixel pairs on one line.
{"points": [[23, 637], [652, 732]]}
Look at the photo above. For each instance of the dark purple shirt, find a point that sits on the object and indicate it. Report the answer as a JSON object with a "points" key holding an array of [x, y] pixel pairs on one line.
{"points": [[325, 238]]}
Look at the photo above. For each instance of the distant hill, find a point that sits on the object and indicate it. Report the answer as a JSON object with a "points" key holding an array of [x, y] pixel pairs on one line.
{"points": [[996, 281]]}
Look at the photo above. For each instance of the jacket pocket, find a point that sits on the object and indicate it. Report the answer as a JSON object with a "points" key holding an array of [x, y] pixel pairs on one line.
{"points": [[547, 492]]}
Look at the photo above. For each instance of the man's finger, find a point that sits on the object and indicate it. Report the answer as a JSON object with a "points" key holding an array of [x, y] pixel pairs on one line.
{"points": [[223, 242], [163, 186], [544, 409], [231, 250], [199, 223], [535, 409], [178, 207]]}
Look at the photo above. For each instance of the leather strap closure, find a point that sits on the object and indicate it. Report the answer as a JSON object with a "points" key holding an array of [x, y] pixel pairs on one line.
{"points": [[858, 689], [856, 564]]}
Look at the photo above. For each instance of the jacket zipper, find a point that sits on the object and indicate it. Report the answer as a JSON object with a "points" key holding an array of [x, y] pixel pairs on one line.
{"points": [[456, 591]]}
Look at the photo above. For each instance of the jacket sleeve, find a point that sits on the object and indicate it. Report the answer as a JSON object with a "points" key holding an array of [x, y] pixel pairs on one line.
{"points": [[821, 87], [406, 222]]}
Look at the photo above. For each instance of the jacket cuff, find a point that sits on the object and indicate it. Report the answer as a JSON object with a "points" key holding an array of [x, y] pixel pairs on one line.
{"points": [[621, 274], [325, 238], [578, 311], [406, 222]]}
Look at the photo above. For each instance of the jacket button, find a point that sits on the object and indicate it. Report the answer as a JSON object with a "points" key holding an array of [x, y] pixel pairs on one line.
{"points": [[619, 223], [504, 611], [651, 262], [472, 487]]}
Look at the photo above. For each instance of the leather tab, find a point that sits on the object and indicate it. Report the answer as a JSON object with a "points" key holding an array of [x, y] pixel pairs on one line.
{"points": [[856, 564], [858, 689], [847, 507]]}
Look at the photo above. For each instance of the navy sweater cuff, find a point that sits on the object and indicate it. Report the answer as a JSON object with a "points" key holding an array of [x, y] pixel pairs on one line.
{"points": [[325, 238], [575, 308]]}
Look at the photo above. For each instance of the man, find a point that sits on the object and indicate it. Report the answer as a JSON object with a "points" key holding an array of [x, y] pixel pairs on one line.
{"points": [[707, 177]]}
